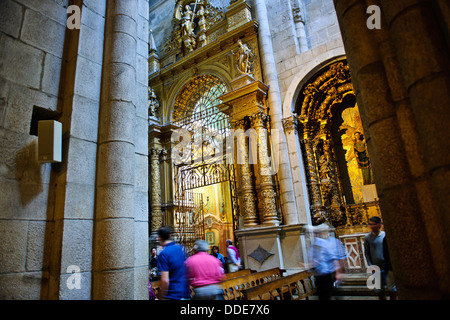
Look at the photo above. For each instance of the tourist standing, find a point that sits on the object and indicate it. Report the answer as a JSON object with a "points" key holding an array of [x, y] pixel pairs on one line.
{"points": [[174, 285], [205, 273], [218, 255], [233, 259], [377, 254]]}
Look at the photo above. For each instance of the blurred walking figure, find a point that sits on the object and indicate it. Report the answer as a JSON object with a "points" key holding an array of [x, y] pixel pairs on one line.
{"points": [[205, 272], [170, 263], [376, 253], [233, 259], [327, 257]]}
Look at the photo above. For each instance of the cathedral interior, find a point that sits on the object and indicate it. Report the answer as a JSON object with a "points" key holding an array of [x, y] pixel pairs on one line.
{"points": [[245, 120]]}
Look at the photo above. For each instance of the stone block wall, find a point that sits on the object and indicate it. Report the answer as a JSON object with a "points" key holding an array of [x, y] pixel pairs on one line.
{"points": [[32, 37], [48, 211], [323, 40]]}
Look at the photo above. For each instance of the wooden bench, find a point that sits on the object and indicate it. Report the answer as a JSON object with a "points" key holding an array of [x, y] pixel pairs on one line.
{"points": [[239, 273], [232, 287], [296, 286], [156, 285]]}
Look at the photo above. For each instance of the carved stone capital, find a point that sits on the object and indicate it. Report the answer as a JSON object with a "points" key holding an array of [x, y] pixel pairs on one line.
{"points": [[258, 119], [290, 123], [239, 124], [155, 154]]}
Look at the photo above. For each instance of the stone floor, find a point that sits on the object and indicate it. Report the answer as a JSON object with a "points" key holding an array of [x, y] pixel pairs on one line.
{"points": [[353, 287]]}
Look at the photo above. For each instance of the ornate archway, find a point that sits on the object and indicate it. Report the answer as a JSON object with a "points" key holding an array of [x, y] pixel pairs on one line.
{"points": [[204, 181], [337, 164]]}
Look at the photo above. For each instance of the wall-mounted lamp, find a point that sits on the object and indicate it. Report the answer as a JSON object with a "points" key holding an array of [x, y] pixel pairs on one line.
{"points": [[49, 141]]}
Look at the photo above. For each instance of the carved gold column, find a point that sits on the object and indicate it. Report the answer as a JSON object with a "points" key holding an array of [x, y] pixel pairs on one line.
{"points": [[155, 190], [311, 169], [246, 189], [269, 214]]}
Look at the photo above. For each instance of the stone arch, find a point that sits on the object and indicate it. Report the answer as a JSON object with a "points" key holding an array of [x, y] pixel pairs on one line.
{"points": [[305, 74], [192, 91], [174, 92], [296, 156], [336, 174]]}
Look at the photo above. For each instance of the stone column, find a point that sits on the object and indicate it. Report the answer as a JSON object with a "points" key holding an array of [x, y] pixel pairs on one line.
{"points": [[155, 191], [288, 201], [402, 106], [114, 233], [427, 85], [269, 214], [246, 189], [291, 129]]}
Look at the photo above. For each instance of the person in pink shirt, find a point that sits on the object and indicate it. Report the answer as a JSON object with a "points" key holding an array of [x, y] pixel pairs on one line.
{"points": [[205, 273]]}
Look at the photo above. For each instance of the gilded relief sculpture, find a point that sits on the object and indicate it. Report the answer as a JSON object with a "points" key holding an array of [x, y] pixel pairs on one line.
{"points": [[153, 104], [245, 58], [186, 24], [356, 154], [191, 23]]}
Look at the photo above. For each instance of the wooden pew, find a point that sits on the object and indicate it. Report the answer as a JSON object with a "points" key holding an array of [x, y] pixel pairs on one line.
{"points": [[157, 284], [296, 286], [232, 287], [239, 273]]}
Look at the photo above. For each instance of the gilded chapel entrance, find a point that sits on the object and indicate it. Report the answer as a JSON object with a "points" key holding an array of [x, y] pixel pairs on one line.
{"points": [[340, 183], [205, 189]]}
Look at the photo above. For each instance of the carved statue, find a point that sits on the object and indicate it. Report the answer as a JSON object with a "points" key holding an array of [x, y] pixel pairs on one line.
{"points": [[178, 10], [245, 58], [189, 44], [201, 18], [362, 158], [187, 25], [153, 104], [356, 148]]}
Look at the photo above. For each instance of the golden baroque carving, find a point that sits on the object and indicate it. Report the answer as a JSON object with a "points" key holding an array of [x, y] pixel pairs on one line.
{"points": [[328, 88], [153, 104], [244, 58], [155, 193], [188, 15]]}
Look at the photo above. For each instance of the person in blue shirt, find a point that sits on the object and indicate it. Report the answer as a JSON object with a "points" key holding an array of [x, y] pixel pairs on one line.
{"points": [[218, 255], [327, 256], [174, 282]]}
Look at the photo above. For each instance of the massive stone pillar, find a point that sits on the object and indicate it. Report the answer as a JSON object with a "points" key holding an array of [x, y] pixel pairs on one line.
{"points": [[401, 78], [287, 195], [114, 225]]}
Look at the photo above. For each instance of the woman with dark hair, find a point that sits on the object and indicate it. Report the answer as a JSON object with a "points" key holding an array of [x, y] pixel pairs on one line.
{"points": [[218, 255]]}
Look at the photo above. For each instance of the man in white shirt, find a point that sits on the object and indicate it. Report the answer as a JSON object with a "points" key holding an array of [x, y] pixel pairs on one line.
{"points": [[233, 259]]}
